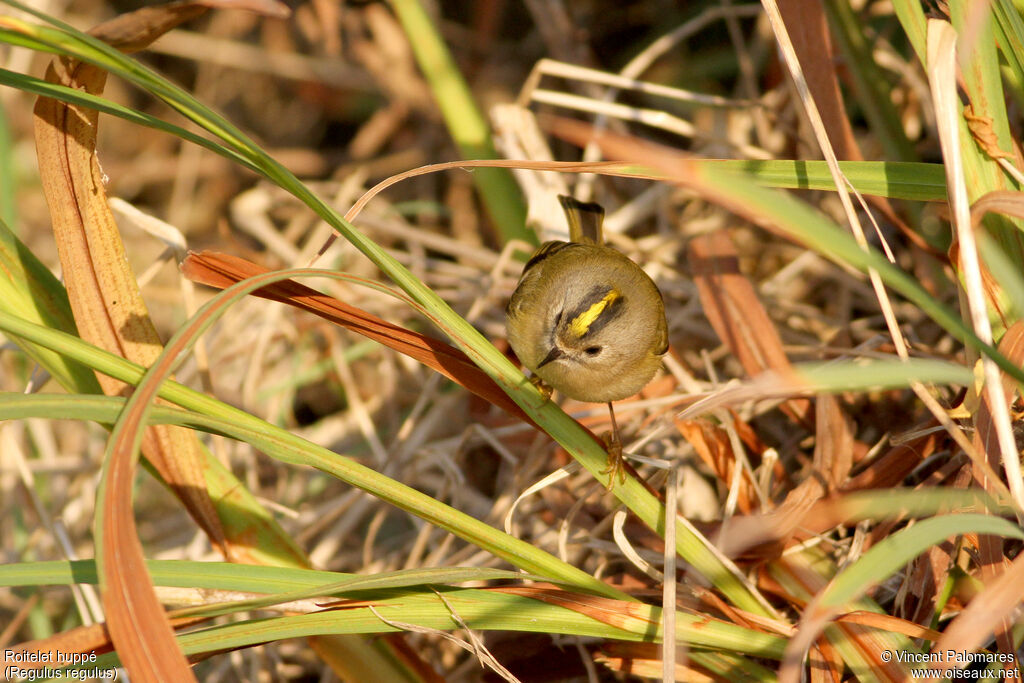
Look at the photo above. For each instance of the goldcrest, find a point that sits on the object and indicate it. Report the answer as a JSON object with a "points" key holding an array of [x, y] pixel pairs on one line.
{"points": [[585, 319]]}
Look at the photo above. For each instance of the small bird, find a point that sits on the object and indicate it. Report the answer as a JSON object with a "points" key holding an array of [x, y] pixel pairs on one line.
{"points": [[587, 321]]}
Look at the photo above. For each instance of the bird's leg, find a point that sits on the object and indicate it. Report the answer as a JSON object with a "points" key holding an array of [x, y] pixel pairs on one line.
{"points": [[614, 447], [543, 388]]}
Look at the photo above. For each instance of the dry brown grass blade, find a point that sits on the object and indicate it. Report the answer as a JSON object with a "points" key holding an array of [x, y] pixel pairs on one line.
{"points": [[139, 628], [766, 535], [812, 43], [735, 312], [644, 660], [1001, 598], [824, 663], [986, 442], [997, 201], [834, 443], [894, 465], [1004, 202], [741, 322], [713, 447], [928, 574], [606, 610], [889, 623], [110, 313], [223, 270], [811, 40], [833, 457], [136, 30], [81, 640], [884, 668], [105, 299]]}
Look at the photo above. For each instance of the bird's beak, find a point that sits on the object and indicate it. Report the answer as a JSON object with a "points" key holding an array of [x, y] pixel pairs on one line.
{"points": [[554, 354]]}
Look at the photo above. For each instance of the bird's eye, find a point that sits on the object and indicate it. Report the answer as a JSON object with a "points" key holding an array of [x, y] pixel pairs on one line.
{"points": [[592, 350]]}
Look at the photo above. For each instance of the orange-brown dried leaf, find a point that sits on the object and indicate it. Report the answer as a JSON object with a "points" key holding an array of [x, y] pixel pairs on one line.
{"points": [[986, 442], [983, 133], [713, 447], [887, 622], [644, 660], [867, 640], [763, 536], [928, 573], [824, 663], [987, 613], [833, 455], [83, 640], [134, 31], [223, 270], [110, 312], [105, 300], [712, 603], [617, 613], [834, 442], [735, 312], [809, 32], [894, 465]]}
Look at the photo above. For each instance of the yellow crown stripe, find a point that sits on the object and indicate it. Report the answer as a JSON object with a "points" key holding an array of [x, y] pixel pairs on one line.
{"points": [[580, 325]]}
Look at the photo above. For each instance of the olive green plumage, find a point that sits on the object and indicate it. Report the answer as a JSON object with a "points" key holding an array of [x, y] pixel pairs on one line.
{"points": [[584, 318]]}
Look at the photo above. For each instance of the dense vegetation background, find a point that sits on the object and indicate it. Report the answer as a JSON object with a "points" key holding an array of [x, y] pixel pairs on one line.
{"points": [[834, 435]]}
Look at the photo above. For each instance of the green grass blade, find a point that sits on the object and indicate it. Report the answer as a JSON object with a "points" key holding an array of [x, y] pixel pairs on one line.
{"points": [[483, 610], [466, 123], [392, 594], [227, 576], [902, 502], [63, 93], [8, 188], [811, 228], [982, 80], [866, 375], [911, 16], [546, 414], [1009, 28], [896, 550], [30, 291], [894, 179], [277, 443], [812, 566], [873, 94]]}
